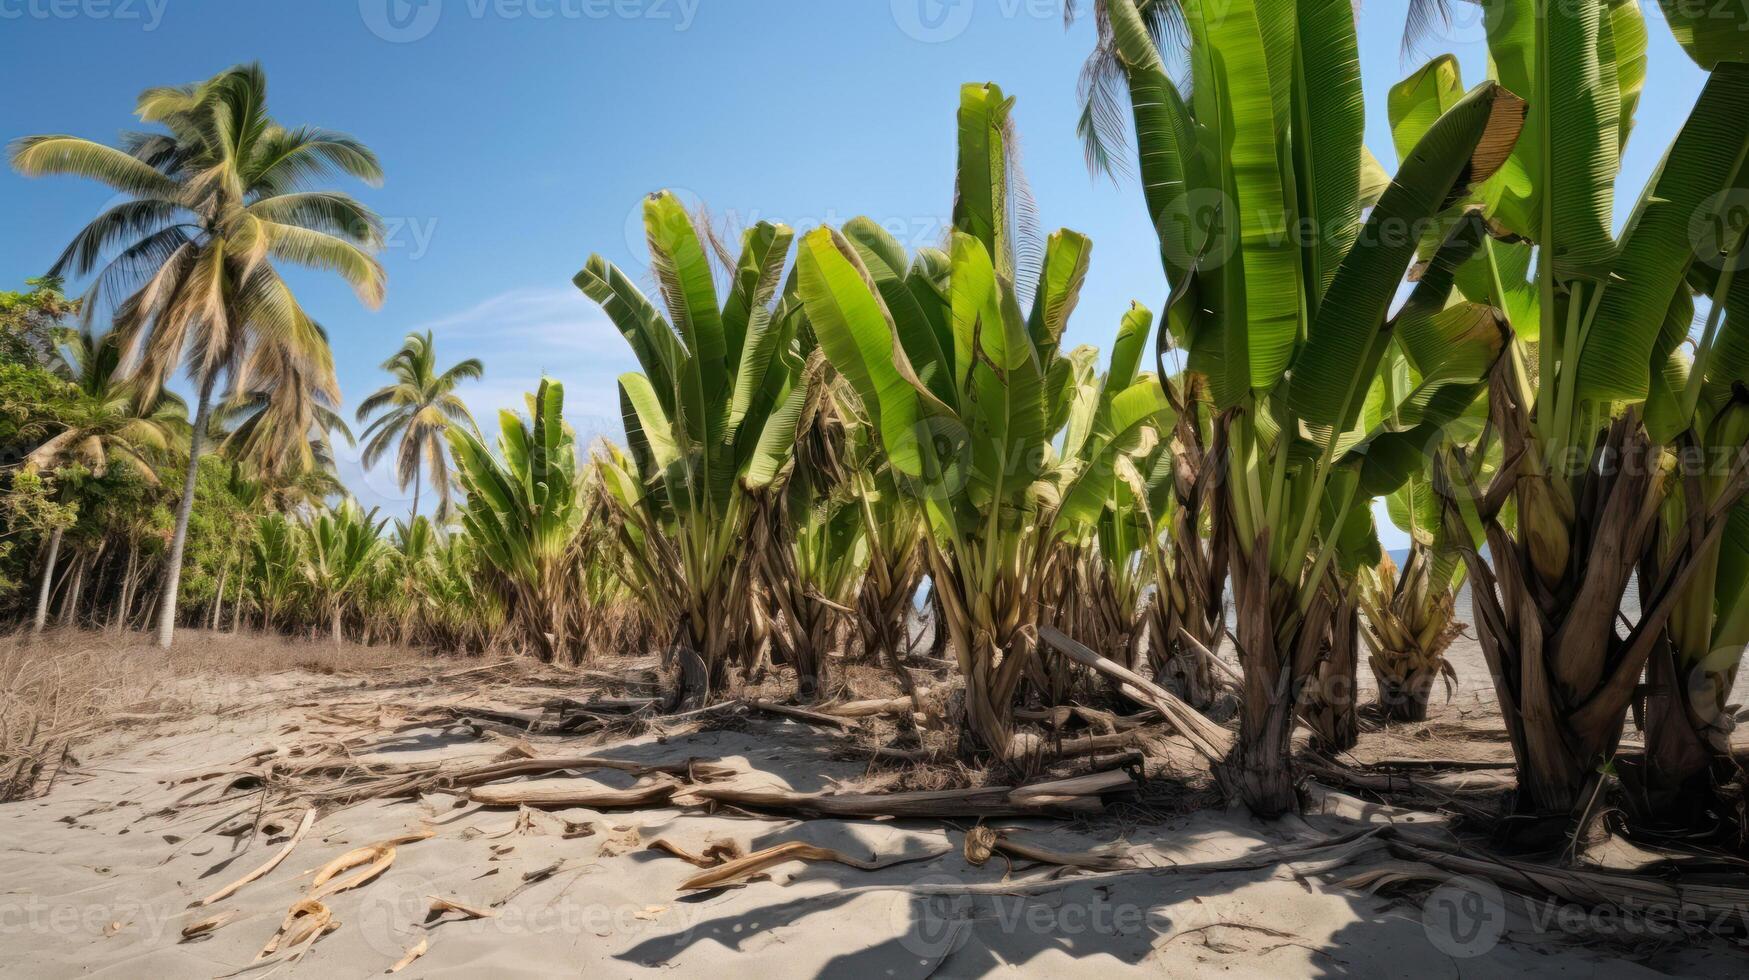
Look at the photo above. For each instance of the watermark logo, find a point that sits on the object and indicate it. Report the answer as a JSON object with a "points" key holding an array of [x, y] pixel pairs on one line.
{"points": [[932, 926], [944, 459], [933, 21], [1464, 918], [940, 21], [401, 21], [1718, 229], [404, 21], [393, 912]]}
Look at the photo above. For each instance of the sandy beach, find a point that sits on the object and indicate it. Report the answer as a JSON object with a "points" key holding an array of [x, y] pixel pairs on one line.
{"points": [[96, 877]]}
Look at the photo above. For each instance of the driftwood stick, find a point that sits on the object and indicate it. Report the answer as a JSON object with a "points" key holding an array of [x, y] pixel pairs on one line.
{"points": [[801, 714], [1078, 795], [1213, 741]]}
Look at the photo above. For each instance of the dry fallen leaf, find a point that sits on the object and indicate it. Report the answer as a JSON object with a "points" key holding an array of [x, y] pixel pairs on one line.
{"points": [[440, 906], [208, 925], [376, 859], [715, 852], [307, 921], [273, 862], [417, 950]]}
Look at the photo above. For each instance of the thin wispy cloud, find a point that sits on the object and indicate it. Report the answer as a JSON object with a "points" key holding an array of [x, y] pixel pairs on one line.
{"points": [[522, 335], [550, 319]]}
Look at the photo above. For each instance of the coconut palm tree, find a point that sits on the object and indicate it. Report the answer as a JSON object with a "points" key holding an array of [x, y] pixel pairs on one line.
{"points": [[418, 410], [216, 200]]}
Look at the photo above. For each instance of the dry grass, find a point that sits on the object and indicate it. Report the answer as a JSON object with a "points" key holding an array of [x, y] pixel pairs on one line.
{"points": [[66, 685]]}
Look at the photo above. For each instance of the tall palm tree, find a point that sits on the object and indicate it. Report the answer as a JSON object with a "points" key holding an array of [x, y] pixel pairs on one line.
{"points": [[107, 421], [417, 410], [215, 200]]}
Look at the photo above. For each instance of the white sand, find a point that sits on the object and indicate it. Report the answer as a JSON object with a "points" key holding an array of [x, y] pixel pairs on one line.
{"points": [[95, 879]]}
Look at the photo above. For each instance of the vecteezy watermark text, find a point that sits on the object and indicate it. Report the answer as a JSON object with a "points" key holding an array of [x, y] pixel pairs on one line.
{"points": [[404, 21], [147, 13]]}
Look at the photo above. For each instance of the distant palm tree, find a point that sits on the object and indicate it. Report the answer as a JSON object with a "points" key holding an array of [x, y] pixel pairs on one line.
{"points": [[418, 410], [214, 202], [107, 421]]}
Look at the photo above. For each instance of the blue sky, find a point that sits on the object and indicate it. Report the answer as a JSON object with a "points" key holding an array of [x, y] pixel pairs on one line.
{"points": [[518, 137]]}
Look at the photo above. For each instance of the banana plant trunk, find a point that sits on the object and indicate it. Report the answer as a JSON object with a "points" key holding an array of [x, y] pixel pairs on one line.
{"points": [[1405, 687], [1687, 743], [993, 647], [808, 653], [881, 608], [703, 647], [938, 635], [1190, 602], [1276, 671], [1331, 693], [1547, 605]]}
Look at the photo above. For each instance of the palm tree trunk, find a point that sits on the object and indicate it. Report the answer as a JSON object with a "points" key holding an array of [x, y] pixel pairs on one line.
{"points": [[219, 598], [70, 602], [42, 596], [415, 515], [125, 601], [173, 566], [237, 615]]}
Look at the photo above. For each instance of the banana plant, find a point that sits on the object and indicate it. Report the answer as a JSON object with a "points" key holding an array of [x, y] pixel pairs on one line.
{"points": [[1594, 405], [1105, 566], [830, 555], [1281, 293], [342, 549], [1701, 407], [408, 593], [1185, 612], [1410, 612], [808, 541], [468, 612], [892, 533], [1690, 675], [276, 557], [967, 394], [523, 512], [713, 410]]}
